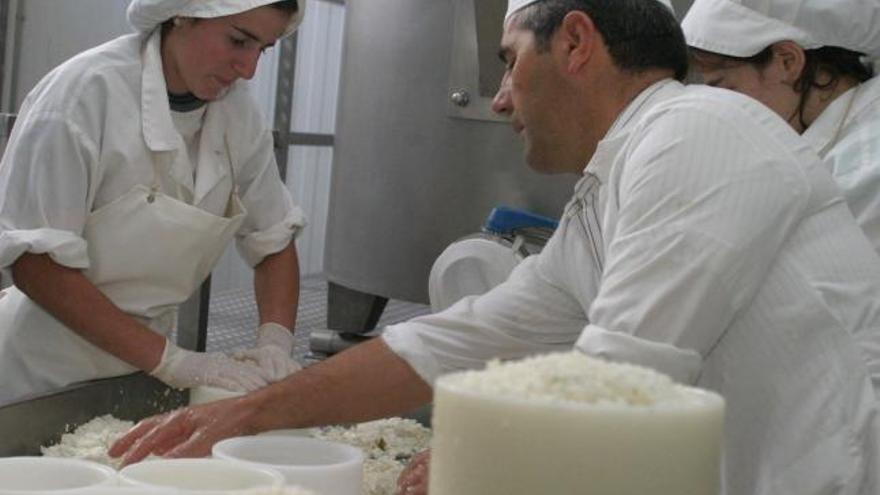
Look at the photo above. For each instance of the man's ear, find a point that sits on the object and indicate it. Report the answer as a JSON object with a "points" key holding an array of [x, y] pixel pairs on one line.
{"points": [[576, 38], [790, 60]]}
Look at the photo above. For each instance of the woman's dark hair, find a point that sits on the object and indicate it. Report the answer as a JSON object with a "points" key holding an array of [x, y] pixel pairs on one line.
{"points": [[830, 62], [289, 6], [639, 35]]}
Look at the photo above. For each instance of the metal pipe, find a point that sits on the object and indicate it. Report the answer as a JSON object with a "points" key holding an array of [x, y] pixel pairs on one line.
{"points": [[284, 102], [9, 59], [4, 21], [331, 342]]}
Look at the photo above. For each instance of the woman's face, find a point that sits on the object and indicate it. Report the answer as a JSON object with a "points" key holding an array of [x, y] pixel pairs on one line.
{"points": [[768, 84], [206, 56]]}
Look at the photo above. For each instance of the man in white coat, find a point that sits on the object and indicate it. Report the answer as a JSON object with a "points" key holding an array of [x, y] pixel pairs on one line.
{"points": [[805, 59], [129, 170], [705, 240]]}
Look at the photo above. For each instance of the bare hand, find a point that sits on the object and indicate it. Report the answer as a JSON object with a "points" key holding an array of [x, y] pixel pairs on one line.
{"points": [[413, 480], [186, 432]]}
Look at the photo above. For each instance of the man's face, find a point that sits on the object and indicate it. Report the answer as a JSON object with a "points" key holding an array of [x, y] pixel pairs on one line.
{"points": [[206, 56], [532, 94]]}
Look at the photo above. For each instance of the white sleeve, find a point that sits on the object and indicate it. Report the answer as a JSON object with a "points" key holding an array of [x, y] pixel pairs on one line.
{"points": [[855, 165], [682, 365], [705, 204], [522, 316], [45, 179], [273, 219]]}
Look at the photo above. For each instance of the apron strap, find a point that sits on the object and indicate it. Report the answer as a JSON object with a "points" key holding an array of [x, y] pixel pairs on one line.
{"points": [[234, 191], [156, 186]]}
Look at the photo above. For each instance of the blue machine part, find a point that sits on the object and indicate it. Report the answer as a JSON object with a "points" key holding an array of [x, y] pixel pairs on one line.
{"points": [[506, 221]]}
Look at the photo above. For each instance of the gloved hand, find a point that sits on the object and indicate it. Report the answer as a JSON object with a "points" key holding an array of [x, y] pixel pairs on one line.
{"points": [[272, 352], [185, 369]]}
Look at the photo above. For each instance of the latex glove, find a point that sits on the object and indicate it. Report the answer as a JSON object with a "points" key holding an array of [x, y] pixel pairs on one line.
{"points": [[272, 352], [413, 480], [185, 369]]}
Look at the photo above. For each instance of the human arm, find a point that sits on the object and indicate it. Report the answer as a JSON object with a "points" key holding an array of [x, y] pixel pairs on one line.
{"points": [[366, 382], [276, 286], [531, 312], [69, 296], [266, 238]]}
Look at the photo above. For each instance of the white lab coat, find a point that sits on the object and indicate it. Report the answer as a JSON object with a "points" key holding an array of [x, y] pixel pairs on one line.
{"points": [[847, 136], [93, 131], [706, 240]]}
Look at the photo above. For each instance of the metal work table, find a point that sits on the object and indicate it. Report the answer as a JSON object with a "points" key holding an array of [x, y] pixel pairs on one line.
{"points": [[27, 425]]}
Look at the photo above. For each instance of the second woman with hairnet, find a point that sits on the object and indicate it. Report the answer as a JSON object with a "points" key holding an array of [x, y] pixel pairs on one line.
{"points": [[131, 167], [808, 61]]}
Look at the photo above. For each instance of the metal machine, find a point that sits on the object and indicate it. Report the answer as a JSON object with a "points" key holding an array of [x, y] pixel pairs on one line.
{"points": [[476, 263], [419, 156]]}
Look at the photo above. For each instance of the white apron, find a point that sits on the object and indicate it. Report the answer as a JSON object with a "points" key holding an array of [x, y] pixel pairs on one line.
{"points": [[148, 253]]}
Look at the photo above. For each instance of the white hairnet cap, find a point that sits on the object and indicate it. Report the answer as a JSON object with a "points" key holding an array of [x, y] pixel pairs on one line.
{"points": [[742, 28], [515, 5], [145, 15]]}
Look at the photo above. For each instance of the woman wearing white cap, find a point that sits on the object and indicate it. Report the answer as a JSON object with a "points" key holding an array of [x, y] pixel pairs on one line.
{"points": [[130, 168], [807, 61]]}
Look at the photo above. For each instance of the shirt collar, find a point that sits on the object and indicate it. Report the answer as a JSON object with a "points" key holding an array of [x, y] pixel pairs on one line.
{"points": [[158, 127], [824, 132], [608, 148]]}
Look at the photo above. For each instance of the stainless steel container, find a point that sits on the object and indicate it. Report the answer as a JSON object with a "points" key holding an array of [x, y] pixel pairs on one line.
{"points": [[37, 421], [416, 164]]}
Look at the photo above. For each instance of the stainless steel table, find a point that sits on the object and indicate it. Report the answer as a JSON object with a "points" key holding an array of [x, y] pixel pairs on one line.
{"points": [[27, 425]]}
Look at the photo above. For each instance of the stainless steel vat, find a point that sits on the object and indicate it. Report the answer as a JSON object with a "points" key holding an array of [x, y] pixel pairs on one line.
{"points": [[28, 424], [412, 170]]}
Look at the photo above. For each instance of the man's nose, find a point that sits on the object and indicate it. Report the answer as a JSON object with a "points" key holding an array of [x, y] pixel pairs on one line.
{"points": [[502, 103]]}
